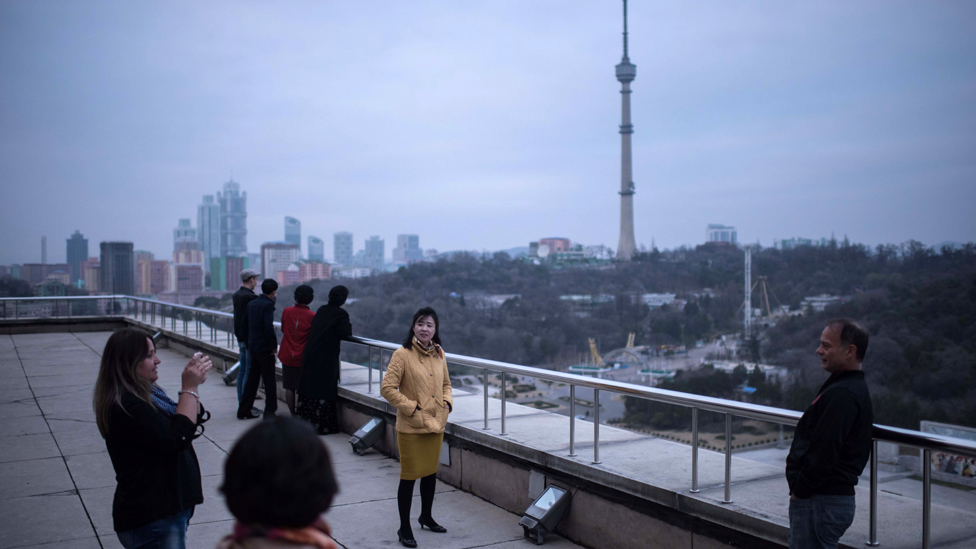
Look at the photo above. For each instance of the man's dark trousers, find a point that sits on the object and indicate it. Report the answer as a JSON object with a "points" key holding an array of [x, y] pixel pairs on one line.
{"points": [[262, 369]]}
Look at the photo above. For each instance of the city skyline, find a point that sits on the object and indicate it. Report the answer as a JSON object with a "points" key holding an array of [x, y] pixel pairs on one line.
{"points": [[748, 116]]}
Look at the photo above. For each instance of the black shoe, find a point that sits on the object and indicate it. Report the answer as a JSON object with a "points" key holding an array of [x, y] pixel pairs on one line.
{"points": [[258, 397], [429, 523], [406, 541], [248, 416]]}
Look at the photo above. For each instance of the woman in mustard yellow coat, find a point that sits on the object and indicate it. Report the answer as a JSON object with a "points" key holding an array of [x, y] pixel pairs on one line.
{"points": [[417, 384]]}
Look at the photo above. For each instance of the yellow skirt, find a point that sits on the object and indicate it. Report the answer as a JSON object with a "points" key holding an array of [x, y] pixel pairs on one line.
{"points": [[419, 454]]}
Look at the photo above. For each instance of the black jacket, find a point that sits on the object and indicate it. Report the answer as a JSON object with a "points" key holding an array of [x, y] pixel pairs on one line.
{"points": [[832, 441], [320, 364], [259, 325], [156, 468], [242, 297]]}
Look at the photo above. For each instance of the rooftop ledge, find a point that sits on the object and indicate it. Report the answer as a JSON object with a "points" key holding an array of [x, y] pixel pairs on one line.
{"points": [[638, 492]]}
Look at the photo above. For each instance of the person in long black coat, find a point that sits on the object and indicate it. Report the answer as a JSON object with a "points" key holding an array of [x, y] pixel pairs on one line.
{"points": [[318, 388]]}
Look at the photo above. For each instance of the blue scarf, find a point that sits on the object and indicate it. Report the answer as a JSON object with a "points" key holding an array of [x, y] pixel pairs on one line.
{"points": [[162, 401]]}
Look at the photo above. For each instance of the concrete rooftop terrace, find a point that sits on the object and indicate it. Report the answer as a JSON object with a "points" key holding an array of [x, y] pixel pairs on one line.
{"points": [[57, 482]]}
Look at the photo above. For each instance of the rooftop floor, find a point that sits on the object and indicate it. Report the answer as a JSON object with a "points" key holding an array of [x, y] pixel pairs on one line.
{"points": [[57, 482]]}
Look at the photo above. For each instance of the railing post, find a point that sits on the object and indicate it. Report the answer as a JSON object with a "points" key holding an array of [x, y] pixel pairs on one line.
{"points": [[926, 497], [572, 420], [873, 528], [485, 379], [728, 458], [694, 451], [369, 366], [596, 426], [504, 375]]}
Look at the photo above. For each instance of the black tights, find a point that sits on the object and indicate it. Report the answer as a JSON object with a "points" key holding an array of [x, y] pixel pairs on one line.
{"points": [[405, 497]]}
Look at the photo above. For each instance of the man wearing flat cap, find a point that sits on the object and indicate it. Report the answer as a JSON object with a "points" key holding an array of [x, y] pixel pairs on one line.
{"points": [[243, 296]]}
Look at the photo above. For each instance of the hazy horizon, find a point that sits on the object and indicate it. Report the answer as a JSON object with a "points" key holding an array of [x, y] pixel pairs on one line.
{"points": [[484, 125]]}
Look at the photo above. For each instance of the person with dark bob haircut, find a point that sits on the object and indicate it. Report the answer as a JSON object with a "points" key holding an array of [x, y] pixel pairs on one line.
{"points": [[318, 387], [278, 480], [418, 386], [296, 321]]}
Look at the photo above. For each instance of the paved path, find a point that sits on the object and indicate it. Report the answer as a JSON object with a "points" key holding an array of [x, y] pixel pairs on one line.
{"points": [[57, 483]]}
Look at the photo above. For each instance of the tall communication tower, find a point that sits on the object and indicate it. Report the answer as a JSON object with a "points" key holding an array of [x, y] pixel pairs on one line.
{"points": [[626, 72], [747, 305]]}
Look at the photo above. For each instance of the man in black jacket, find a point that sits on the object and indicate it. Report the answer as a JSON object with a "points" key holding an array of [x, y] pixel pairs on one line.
{"points": [[832, 442], [243, 296], [262, 343]]}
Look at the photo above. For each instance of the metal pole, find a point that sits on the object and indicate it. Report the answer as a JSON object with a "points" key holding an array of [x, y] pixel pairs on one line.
{"points": [[572, 420], [873, 532], [485, 378], [694, 451], [926, 497], [369, 366], [596, 426], [503, 433], [728, 459]]}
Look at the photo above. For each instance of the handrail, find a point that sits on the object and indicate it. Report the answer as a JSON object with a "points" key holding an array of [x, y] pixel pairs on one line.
{"points": [[771, 414], [927, 442]]}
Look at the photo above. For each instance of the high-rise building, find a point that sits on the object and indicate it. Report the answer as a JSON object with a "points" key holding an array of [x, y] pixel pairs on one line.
{"points": [[43, 250], [407, 249], [288, 276], [185, 278], [225, 272], [375, 253], [277, 256], [194, 257], [208, 228], [720, 233], [185, 237], [117, 268], [293, 232], [91, 274], [316, 249], [152, 276], [35, 273], [626, 72], [342, 249], [77, 253], [233, 220], [312, 270]]}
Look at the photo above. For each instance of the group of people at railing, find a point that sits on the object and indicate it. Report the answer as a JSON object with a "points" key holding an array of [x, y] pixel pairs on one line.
{"points": [[278, 478]]}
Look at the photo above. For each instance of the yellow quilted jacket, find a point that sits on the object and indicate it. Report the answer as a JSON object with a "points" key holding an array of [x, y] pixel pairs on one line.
{"points": [[418, 378]]}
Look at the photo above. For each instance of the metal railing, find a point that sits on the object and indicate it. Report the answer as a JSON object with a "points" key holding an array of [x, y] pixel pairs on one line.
{"points": [[148, 309]]}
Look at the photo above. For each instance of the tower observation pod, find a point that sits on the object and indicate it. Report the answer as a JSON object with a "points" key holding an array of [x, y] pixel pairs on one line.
{"points": [[626, 72]]}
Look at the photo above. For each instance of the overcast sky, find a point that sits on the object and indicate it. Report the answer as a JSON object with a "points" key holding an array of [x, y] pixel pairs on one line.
{"points": [[484, 125]]}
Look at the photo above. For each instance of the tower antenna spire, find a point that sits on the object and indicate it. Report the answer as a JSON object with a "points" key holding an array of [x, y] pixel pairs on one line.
{"points": [[625, 29]]}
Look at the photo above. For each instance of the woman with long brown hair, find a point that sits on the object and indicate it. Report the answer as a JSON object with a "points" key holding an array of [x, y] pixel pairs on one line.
{"points": [[150, 441], [417, 384]]}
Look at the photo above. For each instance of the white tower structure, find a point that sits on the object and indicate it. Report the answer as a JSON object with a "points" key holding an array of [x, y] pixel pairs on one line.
{"points": [[626, 72], [747, 305]]}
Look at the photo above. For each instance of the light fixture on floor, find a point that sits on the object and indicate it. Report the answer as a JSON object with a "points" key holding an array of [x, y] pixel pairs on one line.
{"points": [[543, 515], [367, 435]]}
